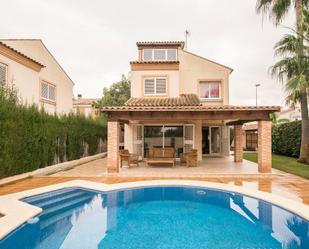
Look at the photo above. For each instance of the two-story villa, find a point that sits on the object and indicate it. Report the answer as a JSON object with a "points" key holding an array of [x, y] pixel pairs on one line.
{"points": [[181, 100]]}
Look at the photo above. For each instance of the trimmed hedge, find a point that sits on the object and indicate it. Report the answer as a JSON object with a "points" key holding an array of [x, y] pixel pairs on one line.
{"points": [[32, 139], [286, 138]]}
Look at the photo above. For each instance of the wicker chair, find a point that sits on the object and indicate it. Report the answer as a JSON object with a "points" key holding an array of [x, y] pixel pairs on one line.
{"points": [[130, 158], [189, 158]]}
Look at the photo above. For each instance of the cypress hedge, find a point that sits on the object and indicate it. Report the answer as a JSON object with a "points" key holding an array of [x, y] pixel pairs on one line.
{"points": [[31, 138], [286, 138]]}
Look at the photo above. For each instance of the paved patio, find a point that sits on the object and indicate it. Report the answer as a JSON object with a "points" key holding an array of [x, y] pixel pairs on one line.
{"points": [[279, 183], [209, 167]]}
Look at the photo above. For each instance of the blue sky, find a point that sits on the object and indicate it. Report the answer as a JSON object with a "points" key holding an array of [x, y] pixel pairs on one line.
{"points": [[94, 40]]}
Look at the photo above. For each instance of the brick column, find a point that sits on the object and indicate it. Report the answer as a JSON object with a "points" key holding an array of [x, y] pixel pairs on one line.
{"points": [[238, 148], [264, 146], [112, 147]]}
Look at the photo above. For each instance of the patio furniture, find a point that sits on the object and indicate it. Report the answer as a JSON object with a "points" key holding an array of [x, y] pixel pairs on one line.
{"points": [[189, 158], [161, 156], [126, 156]]}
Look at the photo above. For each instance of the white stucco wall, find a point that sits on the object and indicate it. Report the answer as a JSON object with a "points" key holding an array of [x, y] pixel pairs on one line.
{"points": [[52, 73], [24, 79], [193, 68]]}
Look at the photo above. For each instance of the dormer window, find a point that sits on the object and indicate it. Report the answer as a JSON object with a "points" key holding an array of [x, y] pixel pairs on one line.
{"points": [[169, 54]]}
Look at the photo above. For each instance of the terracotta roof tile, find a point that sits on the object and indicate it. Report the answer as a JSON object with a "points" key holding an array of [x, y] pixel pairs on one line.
{"points": [[161, 43], [84, 101], [154, 62], [23, 55], [182, 100], [191, 108], [185, 102]]}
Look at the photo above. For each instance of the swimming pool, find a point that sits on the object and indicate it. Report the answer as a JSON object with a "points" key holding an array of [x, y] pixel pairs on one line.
{"points": [[157, 217]]}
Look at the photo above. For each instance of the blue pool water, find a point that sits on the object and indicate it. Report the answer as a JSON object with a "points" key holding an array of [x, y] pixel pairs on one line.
{"points": [[157, 217]]}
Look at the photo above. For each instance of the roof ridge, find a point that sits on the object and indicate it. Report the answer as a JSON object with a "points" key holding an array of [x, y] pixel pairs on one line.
{"points": [[204, 58]]}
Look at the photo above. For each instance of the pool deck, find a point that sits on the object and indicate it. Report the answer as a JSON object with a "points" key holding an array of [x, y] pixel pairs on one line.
{"points": [[282, 189], [217, 170], [208, 167]]}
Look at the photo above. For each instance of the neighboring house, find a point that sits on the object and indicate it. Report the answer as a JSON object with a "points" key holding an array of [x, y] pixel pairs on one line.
{"points": [[181, 100], [289, 114], [32, 69], [84, 106], [250, 136]]}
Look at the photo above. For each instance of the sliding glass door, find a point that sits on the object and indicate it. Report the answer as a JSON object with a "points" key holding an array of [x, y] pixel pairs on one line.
{"points": [[163, 136], [173, 138], [152, 138], [211, 140]]}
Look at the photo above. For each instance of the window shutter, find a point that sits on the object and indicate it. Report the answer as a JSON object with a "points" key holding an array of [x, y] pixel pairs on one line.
{"points": [[52, 95], [149, 86], [48, 91], [161, 86], [2, 74], [44, 90]]}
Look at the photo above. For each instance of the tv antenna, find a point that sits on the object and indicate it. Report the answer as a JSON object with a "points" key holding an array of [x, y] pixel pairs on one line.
{"points": [[187, 34]]}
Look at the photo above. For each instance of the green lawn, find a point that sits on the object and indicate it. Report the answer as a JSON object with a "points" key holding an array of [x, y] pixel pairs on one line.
{"points": [[284, 163]]}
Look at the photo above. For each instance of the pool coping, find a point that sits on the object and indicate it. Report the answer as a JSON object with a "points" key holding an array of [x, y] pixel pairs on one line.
{"points": [[17, 212]]}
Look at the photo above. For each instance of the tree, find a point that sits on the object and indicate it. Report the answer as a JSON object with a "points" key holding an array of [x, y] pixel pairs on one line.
{"points": [[274, 118], [292, 67], [116, 95]]}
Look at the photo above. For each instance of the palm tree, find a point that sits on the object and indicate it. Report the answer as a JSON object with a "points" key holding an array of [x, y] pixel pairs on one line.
{"points": [[292, 69], [291, 66]]}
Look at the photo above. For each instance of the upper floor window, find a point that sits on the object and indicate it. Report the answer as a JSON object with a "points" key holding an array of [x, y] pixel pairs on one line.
{"points": [[155, 86], [210, 90], [160, 54], [3, 74], [48, 91]]}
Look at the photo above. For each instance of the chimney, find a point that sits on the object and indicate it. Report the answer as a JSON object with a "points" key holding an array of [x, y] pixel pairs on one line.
{"points": [[79, 96]]}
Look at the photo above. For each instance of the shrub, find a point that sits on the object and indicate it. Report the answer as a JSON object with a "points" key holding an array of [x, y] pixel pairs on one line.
{"points": [[31, 138], [286, 138]]}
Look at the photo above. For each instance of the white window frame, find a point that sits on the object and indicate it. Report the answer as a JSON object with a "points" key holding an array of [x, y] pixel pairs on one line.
{"points": [[143, 50], [49, 85], [152, 54], [210, 83], [155, 86], [6, 73]]}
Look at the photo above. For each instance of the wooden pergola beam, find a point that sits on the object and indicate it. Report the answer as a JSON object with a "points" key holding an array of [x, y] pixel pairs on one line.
{"points": [[238, 122], [240, 116]]}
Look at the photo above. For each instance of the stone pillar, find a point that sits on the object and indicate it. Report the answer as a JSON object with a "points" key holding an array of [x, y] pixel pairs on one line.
{"points": [[238, 148], [264, 146], [112, 147]]}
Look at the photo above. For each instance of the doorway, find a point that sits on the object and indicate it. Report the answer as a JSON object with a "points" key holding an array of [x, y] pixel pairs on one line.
{"points": [[211, 140]]}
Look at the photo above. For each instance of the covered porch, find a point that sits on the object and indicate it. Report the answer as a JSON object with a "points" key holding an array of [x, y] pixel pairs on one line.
{"points": [[198, 116]]}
